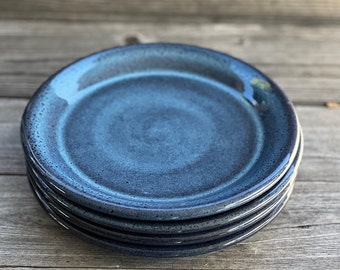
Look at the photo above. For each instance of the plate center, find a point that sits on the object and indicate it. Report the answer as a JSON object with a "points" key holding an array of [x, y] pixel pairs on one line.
{"points": [[160, 136], [156, 137]]}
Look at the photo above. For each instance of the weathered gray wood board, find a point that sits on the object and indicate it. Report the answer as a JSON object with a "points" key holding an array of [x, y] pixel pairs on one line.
{"points": [[301, 11], [296, 57]]}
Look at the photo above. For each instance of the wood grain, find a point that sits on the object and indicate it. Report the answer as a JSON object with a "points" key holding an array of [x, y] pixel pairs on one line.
{"points": [[301, 11], [294, 56]]}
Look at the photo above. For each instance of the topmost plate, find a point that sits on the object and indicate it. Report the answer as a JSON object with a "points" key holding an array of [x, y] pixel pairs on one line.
{"points": [[160, 132]]}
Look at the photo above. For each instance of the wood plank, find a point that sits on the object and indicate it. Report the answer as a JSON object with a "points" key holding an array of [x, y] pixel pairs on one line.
{"points": [[11, 153], [11, 110], [301, 234], [296, 57], [305, 11]]}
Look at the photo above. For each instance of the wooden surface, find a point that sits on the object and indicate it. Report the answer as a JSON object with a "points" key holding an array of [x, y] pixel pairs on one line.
{"points": [[296, 42], [301, 11]]}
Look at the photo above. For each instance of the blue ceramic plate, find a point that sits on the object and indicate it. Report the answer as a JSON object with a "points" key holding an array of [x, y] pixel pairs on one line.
{"points": [[160, 132]]}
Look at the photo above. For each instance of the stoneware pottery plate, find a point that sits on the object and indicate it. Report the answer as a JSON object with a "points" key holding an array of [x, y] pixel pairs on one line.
{"points": [[160, 132]]}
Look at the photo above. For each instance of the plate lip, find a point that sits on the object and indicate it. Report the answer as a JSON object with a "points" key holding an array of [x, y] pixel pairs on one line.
{"points": [[178, 213], [289, 177], [184, 238], [277, 190], [168, 251]]}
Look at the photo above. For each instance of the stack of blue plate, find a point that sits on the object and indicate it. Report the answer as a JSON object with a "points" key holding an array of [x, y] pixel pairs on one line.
{"points": [[161, 149]]}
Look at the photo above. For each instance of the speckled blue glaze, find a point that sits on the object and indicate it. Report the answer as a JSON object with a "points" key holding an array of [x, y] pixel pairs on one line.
{"points": [[160, 132], [159, 239], [171, 228], [174, 237], [164, 251]]}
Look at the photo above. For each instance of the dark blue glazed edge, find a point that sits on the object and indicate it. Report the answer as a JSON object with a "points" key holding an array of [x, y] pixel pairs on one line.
{"points": [[183, 226], [166, 251], [161, 239]]}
